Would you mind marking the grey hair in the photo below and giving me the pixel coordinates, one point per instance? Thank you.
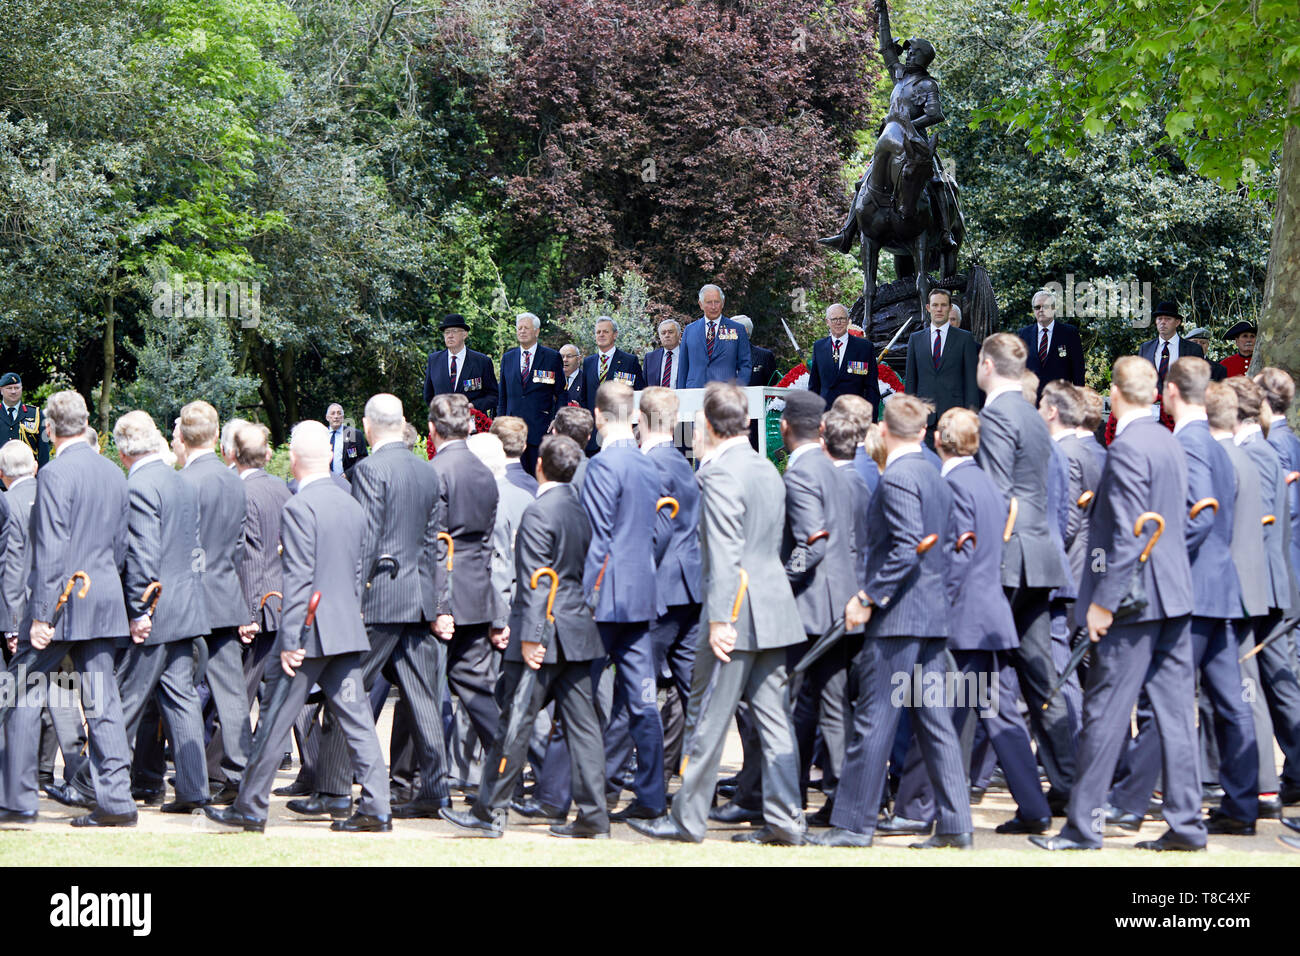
(228, 434)
(569, 345)
(488, 449)
(136, 435)
(310, 441)
(747, 322)
(16, 459)
(1047, 292)
(66, 414)
(673, 322)
(537, 323)
(836, 305)
(604, 318)
(384, 412)
(956, 311)
(706, 288)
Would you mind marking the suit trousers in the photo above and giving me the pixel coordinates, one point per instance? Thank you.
(876, 673)
(1254, 695)
(110, 755)
(717, 688)
(1157, 655)
(636, 699)
(822, 701)
(570, 685)
(255, 654)
(471, 676)
(418, 661)
(339, 676)
(1282, 691)
(229, 704)
(1037, 672)
(1214, 655)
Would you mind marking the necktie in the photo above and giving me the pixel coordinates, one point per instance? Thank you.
(13, 417)
(1042, 352)
(524, 361)
(835, 353)
(453, 371)
(333, 435)
(1164, 365)
(938, 348)
(712, 337)
(668, 370)
(604, 368)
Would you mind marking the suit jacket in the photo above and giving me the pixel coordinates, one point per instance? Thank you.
(1145, 471)
(29, 429)
(910, 502)
(536, 400)
(1097, 449)
(1064, 354)
(467, 510)
(1273, 499)
(1215, 590)
(1015, 451)
(1085, 475)
(677, 572)
(855, 375)
(1059, 505)
(619, 495)
(731, 361)
(17, 566)
(322, 530)
(953, 384)
(623, 367)
(866, 467)
(1287, 446)
(1249, 556)
(821, 574)
(163, 545)
(553, 533)
(221, 531)
(521, 479)
(79, 523)
(764, 366)
(742, 503)
(1186, 347)
(260, 569)
(981, 616)
(476, 379)
(573, 394)
(354, 447)
(512, 502)
(859, 501)
(398, 493)
(654, 369)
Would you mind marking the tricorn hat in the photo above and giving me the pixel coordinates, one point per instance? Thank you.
(453, 321)
(1241, 328)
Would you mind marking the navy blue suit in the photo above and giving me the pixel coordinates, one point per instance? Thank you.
(1064, 354)
(623, 367)
(573, 394)
(731, 360)
(654, 369)
(476, 379)
(536, 400)
(855, 375)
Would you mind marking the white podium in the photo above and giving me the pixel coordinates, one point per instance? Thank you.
(691, 400)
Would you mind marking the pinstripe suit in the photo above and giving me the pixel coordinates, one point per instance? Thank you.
(222, 508)
(259, 567)
(79, 522)
(908, 625)
(322, 529)
(396, 490)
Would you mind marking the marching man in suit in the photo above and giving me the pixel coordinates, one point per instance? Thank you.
(714, 348)
(750, 625)
(532, 384)
(23, 422)
(663, 366)
(1138, 615)
(460, 369)
(1055, 350)
(608, 364)
(843, 364)
(556, 638)
(941, 362)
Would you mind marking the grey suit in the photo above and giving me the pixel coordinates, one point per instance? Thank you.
(1085, 474)
(259, 567)
(79, 522)
(322, 530)
(743, 517)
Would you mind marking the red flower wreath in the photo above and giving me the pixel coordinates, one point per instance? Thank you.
(889, 382)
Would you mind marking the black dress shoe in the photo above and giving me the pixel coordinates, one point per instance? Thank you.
(225, 796)
(1219, 822)
(1018, 824)
(661, 828)
(997, 780)
(541, 812)
(97, 819)
(956, 841)
(822, 818)
(418, 810)
(977, 795)
(1115, 817)
(466, 820)
(17, 816)
(1270, 807)
(295, 789)
(1290, 794)
(363, 823)
(896, 826)
(578, 831)
(727, 787)
(1211, 793)
(230, 817)
(1059, 842)
(148, 796)
(400, 794)
(70, 796)
(1170, 841)
(1288, 840)
(766, 836)
(838, 836)
(319, 805)
(183, 806)
(1058, 804)
(635, 811)
(732, 812)
(286, 762)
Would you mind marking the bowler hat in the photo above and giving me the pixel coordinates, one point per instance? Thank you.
(1167, 308)
(453, 321)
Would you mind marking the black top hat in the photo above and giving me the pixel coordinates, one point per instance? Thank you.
(453, 321)
(1167, 308)
(1241, 328)
(10, 378)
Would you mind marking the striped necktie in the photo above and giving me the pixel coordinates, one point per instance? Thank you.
(668, 369)
(712, 337)
(1042, 352)
(604, 368)
(524, 363)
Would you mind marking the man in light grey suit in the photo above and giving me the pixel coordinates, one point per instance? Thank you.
(744, 653)
(322, 531)
(79, 523)
(221, 527)
(163, 530)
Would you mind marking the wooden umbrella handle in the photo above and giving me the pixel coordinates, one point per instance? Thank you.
(928, 542)
(667, 501)
(555, 583)
(963, 538)
(1086, 499)
(451, 547)
(740, 595)
(1012, 510)
(1140, 524)
(1211, 503)
(155, 589)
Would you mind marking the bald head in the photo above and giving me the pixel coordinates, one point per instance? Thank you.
(309, 450)
(383, 419)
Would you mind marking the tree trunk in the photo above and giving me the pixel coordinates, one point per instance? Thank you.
(110, 350)
(1279, 320)
(289, 383)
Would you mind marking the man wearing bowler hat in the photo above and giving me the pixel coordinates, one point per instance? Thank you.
(1168, 346)
(1242, 335)
(460, 369)
(20, 421)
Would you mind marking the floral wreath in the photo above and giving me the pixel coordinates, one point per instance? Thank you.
(797, 377)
